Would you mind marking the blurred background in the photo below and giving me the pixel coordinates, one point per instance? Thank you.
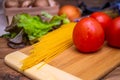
(114, 75)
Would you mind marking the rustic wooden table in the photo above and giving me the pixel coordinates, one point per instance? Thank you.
(6, 73)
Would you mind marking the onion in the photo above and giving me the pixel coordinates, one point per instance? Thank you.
(12, 3)
(41, 3)
(72, 12)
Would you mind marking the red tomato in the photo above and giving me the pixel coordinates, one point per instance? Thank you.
(113, 33)
(88, 35)
(102, 18)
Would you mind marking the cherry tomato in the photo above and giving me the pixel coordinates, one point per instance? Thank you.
(102, 18)
(113, 33)
(88, 35)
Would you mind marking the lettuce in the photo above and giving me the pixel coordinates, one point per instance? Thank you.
(32, 27)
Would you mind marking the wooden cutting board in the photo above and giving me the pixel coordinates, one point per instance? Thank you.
(70, 65)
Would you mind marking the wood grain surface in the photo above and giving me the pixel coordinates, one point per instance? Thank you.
(46, 72)
(87, 66)
(7, 73)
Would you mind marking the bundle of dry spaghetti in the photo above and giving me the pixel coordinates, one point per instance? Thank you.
(50, 45)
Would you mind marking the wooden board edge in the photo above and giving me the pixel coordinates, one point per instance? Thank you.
(47, 72)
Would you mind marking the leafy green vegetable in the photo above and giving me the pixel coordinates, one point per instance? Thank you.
(12, 35)
(33, 26)
(46, 14)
